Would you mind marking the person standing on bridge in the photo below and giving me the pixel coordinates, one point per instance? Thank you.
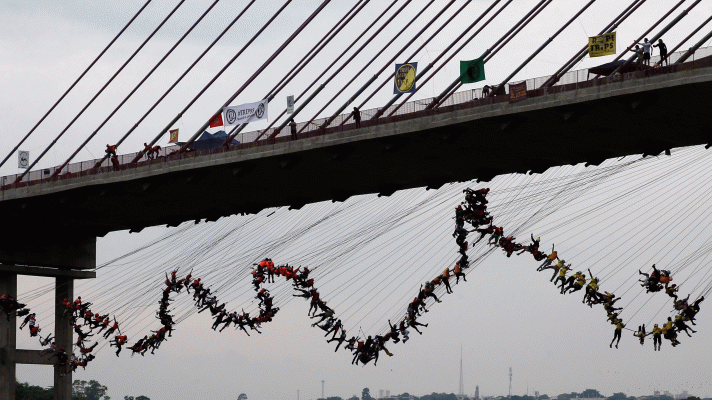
(663, 53)
(357, 117)
(647, 47)
(111, 150)
(293, 129)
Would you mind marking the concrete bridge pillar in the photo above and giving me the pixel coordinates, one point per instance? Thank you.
(63, 331)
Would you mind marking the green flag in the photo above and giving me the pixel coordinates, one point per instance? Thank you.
(472, 71)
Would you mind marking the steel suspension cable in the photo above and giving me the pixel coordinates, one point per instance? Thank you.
(373, 59)
(410, 58)
(353, 43)
(662, 32)
(339, 70)
(258, 72)
(450, 46)
(200, 57)
(75, 82)
(582, 53)
(457, 83)
(158, 64)
(224, 68)
(501, 42)
(19, 178)
(345, 20)
(667, 14)
(683, 41)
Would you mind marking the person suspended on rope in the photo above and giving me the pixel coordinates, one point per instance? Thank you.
(414, 324)
(657, 333)
(314, 304)
(681, 304)
(494, 239)
(262, 295)
(691, 310)
(138, 347)
(219, 319)
(672, 291)
(360, 347)
(394, 332)
(680, 325)
(463, 248)
(532, 247)
(111, 330)
(653, 280)
(445, 277)
(87, 350)
(484, 232)
(49, 350)
(339, 340)
(461, 236)
(665, 277)
(30, 319)
(351, 343)
(329, 313)
(428, 291)
(618, 332)
(556, 267)
(591, 294)
(46, 341)
(334, 328)
(34, 331)
(549, 259)
(669, 332)
(83, 336)
(458, 273)
(562, 270)
(640, 334)
(572, 283)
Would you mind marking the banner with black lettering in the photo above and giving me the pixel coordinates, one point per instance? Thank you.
(602, 45)
(245, 113)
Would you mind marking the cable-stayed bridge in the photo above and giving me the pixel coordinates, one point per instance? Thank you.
(456, 136)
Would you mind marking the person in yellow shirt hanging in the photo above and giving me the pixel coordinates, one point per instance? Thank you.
(563, 269)
(556, 269)
(618, 332)
(669, 332)
(640, 334)
(657, 337)
(577, 283)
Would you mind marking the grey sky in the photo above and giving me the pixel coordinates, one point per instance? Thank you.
(507, 315)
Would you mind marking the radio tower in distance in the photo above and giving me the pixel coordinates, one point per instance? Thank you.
(510, 381)
(461, 392)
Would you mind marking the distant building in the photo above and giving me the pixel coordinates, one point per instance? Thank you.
(380, 394)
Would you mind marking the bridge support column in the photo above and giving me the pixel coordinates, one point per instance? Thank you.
(8, 332)
(63, 332)
(64, 289)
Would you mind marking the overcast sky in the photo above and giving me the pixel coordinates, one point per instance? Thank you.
(507, 315)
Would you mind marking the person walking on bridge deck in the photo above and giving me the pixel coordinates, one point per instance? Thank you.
(356, 114)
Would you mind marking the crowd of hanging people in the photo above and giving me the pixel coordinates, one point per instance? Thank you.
(472, 211)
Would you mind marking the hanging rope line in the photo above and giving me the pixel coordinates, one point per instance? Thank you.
(375, 228)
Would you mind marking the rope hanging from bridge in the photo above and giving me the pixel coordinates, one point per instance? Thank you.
(476, 213)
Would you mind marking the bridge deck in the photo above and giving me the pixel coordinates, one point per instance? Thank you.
(595, 120)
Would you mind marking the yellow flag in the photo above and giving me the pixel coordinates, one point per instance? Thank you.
(602, 45)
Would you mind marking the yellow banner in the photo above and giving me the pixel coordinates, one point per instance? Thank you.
(602, 45)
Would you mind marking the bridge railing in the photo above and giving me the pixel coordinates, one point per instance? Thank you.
(572, 80)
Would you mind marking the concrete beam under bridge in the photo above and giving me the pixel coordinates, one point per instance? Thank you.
(633, 116)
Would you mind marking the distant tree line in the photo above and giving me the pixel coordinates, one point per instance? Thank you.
(81, 390)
